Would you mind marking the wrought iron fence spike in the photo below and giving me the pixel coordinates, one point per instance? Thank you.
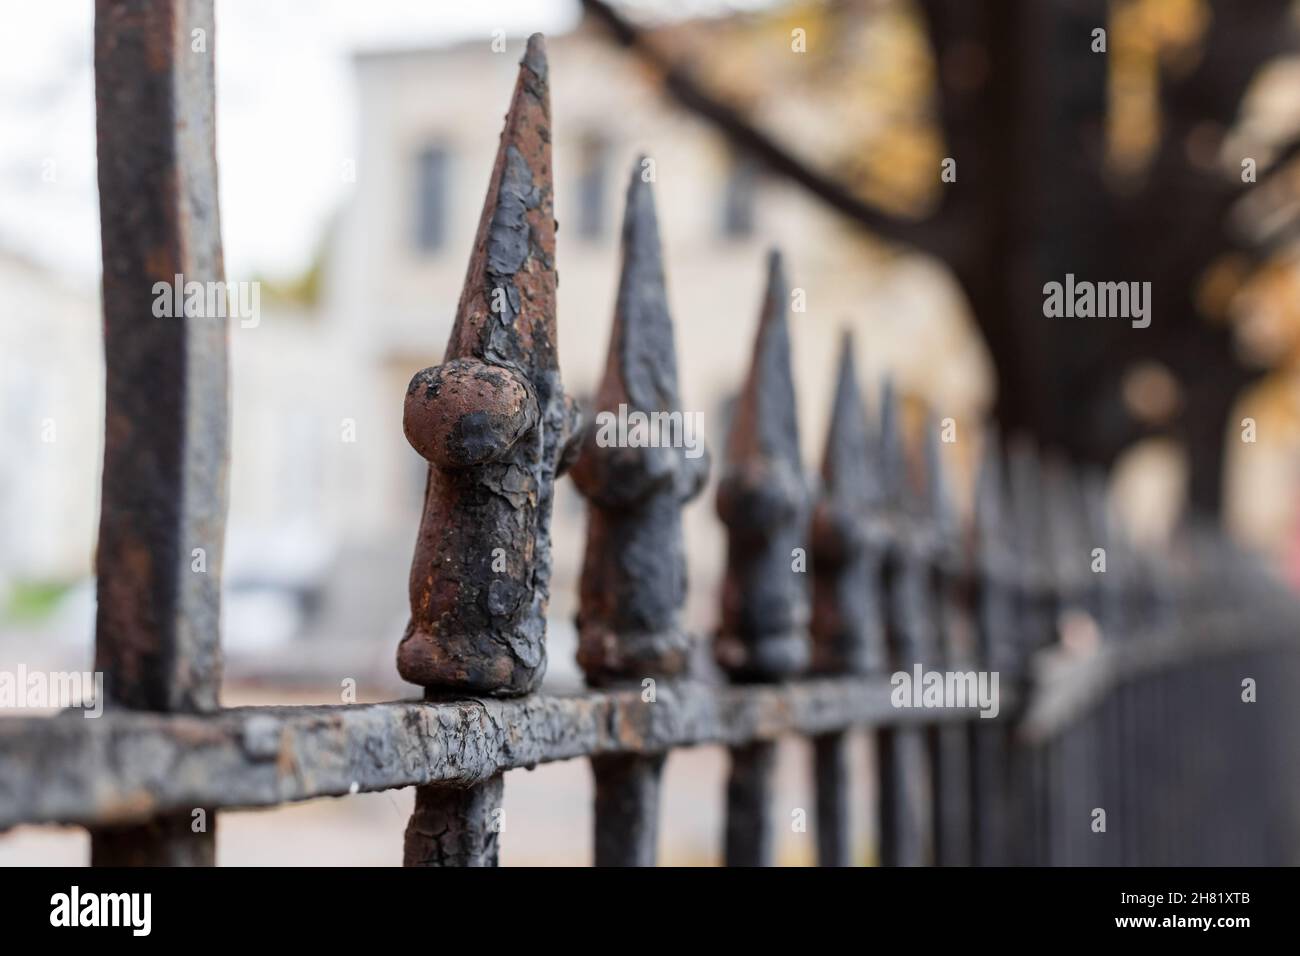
(941, 510)
(764, 500)
(496, 429)
(846, 460)
(637, 478)
(847, 626)
(891, 454)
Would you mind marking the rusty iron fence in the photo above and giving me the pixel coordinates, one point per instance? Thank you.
(1147, 704)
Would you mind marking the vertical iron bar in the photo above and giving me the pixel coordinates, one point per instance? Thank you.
(455, 826)
(634, 573)
(954, 650)
(903, 759)
(847, 630)
(764, 500)
(998, 651)
(496, 428)
(627, 808)
(834, 835)
(163, 504)
(751, 833)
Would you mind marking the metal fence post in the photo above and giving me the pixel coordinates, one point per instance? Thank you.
(634, 574)
(847, 629)
(949, 741)
(763, 499)
(496, 429)
(163, 508)
(902, 758)
(992, 741)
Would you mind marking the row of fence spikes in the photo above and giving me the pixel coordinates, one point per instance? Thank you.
(497, 431)
(1036, 532)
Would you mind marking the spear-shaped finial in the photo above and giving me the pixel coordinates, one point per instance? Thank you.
(890, 451)
(938, 498)
(997, 582)
(641, 462)
(1107, 590)
(1068, 547)
(990, 514)
(846, 471)
(847, 626)
(913, 626)
(763, 499)
(1027, 512)
(495, 427)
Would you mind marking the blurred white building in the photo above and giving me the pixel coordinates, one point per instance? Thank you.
(51, 420)
(325, 493)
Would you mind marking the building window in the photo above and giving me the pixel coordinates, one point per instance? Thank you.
(593, 174)
(431, 174)
(738, 198)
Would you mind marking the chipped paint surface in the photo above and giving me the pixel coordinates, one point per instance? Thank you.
(125, 766)
(496, 428)
(764, 500)
(166, 431)
(634, 573)
(848, 607)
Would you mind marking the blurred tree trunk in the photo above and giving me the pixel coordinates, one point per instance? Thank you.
(1022, 104)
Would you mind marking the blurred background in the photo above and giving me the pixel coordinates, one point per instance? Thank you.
(354, 146)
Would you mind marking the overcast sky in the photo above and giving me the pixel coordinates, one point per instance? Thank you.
(284, 83)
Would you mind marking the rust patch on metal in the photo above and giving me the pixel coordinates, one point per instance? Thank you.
(764, 500)
(495, 426)
(634, 574)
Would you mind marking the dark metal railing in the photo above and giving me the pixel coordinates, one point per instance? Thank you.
(1124, 731)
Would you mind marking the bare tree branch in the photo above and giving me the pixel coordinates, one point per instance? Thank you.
(745, 136)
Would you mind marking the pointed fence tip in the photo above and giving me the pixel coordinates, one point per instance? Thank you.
(935, 475)
(988, 479)
(846, 458)
(776, 284)
(535, 55)
(846, 348)
(642, 349)
(640, 196)
(893, 464)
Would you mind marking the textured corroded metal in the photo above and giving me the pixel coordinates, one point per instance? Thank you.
(949, 746)
(912, 632)
(495, 427)
(1068, 546)
(998, 646)
(634, 574)
(130, 766)
(627, 808)
(997, 651)
(847, 625)
(1026, 512)
(833, 783)
(764, 500)
(163, 505)
(750, 838)
(950, 560)
(902, 755)
(455, 827)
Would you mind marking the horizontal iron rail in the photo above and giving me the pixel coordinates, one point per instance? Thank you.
(1066, 685)
(126, 766)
